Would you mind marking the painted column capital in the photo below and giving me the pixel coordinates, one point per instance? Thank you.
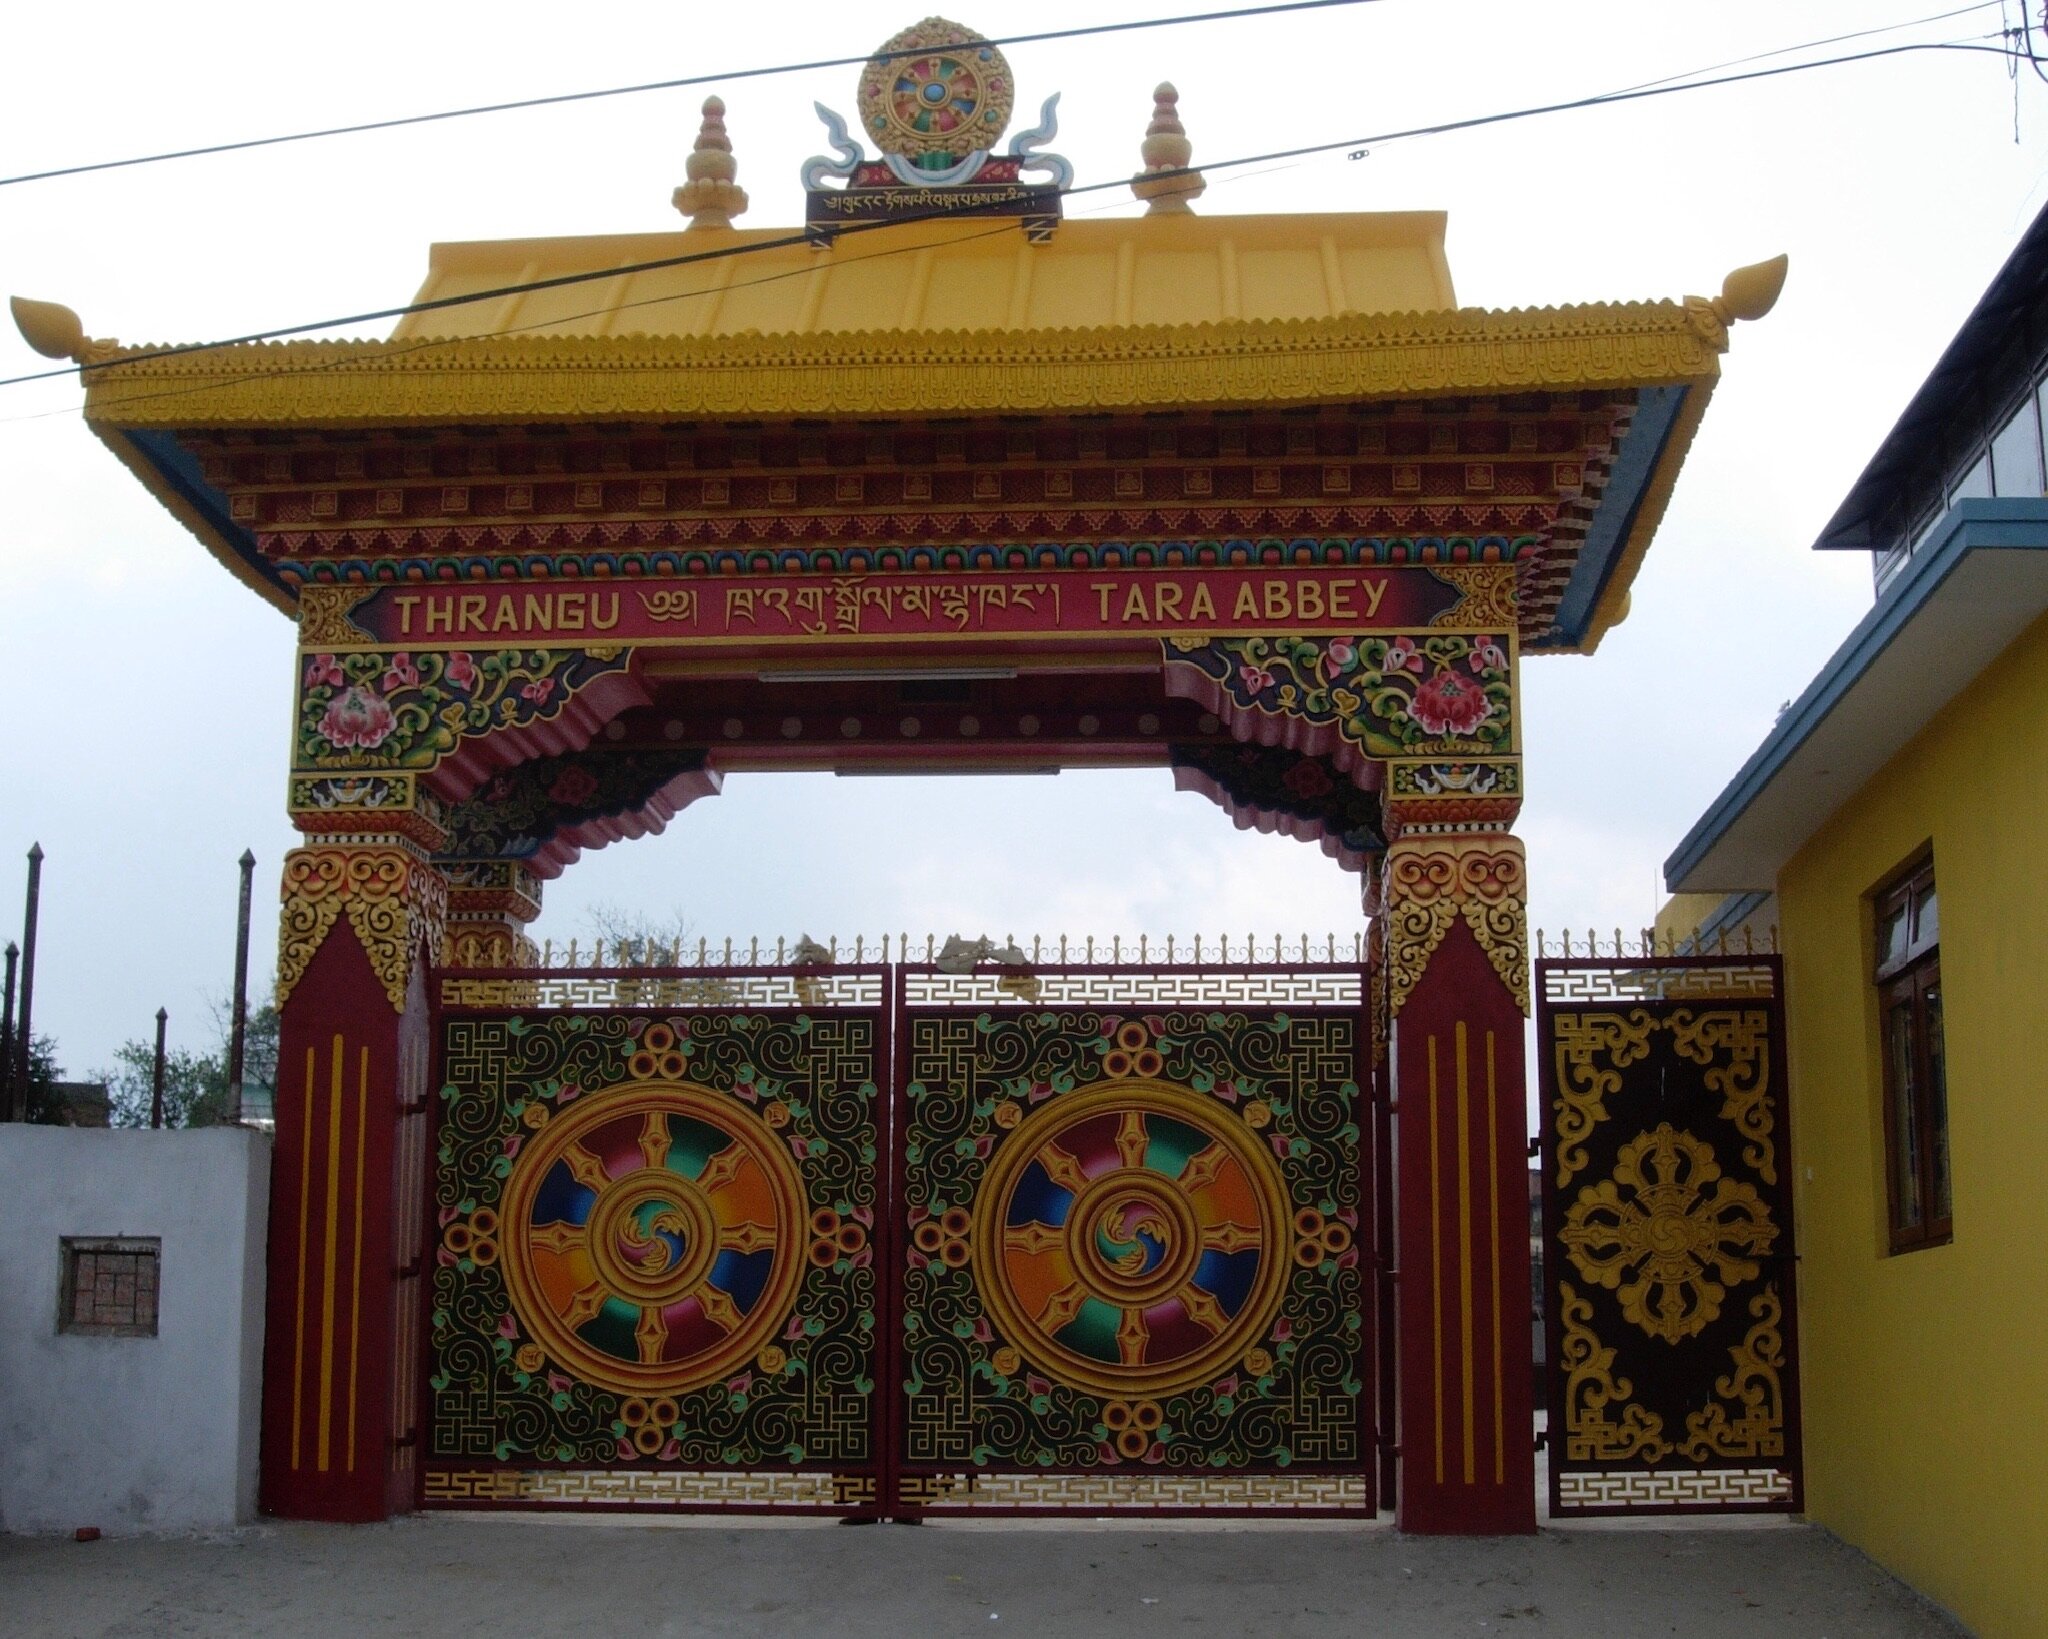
(393, 895)
(490, 903)
(1451, 795)
(1431, 881)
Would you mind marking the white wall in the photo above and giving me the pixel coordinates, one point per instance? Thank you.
(133, 1433)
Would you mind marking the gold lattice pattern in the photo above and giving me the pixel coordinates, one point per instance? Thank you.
(673, 1488)
(1094, 1493)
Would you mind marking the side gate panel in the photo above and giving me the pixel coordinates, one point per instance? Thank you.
(1667, 1229)
(654, 1278)
(1135, 1242)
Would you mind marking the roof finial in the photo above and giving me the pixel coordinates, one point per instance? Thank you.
(1166, 184)
(56, 332)
(711, 198)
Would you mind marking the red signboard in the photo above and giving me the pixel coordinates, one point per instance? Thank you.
(801, 609)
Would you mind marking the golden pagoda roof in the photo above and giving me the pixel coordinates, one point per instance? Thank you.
(932, 318)
(939, 277)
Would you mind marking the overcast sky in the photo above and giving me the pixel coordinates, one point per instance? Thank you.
(145, 695)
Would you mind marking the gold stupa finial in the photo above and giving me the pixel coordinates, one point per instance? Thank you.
(1166, 184)
(1751, 292)
(711, 198)
(56, 332)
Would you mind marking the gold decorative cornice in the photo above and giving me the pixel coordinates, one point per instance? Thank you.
(521, 378)
(324, 612)
(1489, 595)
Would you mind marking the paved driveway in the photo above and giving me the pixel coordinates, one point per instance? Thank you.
(446, 1575)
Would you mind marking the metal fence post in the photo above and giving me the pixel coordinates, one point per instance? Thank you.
(238, 1034)
(156, 1096)
(7, 1033)
(24, 1050)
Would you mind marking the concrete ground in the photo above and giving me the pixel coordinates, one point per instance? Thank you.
(446, 1575)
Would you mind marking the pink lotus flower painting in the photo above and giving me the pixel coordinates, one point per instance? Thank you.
(357, 719)
(1447, 704)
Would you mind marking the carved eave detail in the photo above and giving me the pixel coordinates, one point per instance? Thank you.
(1466, 350)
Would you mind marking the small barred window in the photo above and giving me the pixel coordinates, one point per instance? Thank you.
(109, 1286)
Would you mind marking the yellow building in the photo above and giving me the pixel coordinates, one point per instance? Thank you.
(1894, 813)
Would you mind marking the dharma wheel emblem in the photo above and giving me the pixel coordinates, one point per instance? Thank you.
(653, 1238)
(1671, 1248)
(1132, 1239)
(949, 97)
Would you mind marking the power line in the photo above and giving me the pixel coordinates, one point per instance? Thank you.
(1039, 37)
(1830, 40)
(1355, 145)
(395, 350)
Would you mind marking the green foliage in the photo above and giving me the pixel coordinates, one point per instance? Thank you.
(43, 1073)
(195, 1084)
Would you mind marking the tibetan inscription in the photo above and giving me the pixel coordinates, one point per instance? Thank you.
(1092, 604)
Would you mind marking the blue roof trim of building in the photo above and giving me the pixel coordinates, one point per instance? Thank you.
(1971, 526)
(1614, 520)
(181, 471)
(1996, 350)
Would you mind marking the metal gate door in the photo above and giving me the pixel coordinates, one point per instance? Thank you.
(1667, 1219)
(655, 1279)
(1131, 1205)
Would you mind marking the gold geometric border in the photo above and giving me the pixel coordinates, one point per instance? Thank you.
(1717, 1488)
(682, 991)
(671, 1488)
(1092, 1493)
(1639, 982)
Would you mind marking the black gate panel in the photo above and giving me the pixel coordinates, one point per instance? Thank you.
(1667, 1218)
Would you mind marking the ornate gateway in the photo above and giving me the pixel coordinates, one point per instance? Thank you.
(1667, 1218)
(948, 479)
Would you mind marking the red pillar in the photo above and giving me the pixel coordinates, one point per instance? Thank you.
(341, 1344)
(1457, 963)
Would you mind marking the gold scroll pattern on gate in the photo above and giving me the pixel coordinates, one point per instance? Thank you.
(1594, 1048)
(1669, 1231)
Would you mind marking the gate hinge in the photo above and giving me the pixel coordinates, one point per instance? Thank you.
(1535, 1147)
(1542, 1439)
